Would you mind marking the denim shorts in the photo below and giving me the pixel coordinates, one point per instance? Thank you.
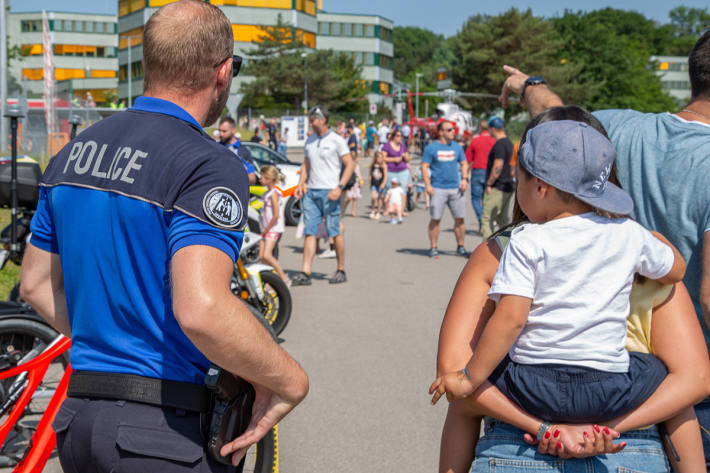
(316, 207)
(502, 450)
(562, 393)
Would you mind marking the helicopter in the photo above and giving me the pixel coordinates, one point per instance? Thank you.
(464, 122)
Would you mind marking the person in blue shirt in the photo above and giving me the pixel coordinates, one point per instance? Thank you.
(443, 164)
(132, 250)
(663, 162)
(229, 138)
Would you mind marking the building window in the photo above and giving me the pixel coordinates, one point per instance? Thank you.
(324, 28)
(79, 26)
(347, 29)
(31, 50)
(358, 29)
(336, 29)
(369, 31)
(89, 26)
(68, 25)
(31, 26)
(369, 59)
(385, 34)
(358, 56)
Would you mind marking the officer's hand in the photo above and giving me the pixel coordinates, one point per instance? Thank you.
(268, 410)
(335, 194)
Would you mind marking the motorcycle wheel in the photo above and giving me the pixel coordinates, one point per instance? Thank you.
(292, 211)
(276, 306)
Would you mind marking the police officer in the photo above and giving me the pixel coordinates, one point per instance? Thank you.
(134, 242)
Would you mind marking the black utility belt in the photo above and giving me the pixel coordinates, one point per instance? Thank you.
(135, 388)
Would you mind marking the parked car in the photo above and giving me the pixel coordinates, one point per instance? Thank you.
(263, 155)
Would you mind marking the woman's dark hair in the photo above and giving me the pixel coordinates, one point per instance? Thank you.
(567, 112)
(699, 67)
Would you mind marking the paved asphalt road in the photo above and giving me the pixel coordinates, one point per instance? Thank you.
(369, 347)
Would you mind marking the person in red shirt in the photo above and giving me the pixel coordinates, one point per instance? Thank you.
(477, 157)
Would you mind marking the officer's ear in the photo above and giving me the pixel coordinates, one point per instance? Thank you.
(224, 73)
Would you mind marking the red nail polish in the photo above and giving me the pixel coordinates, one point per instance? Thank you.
(596, 427)
(557, 433)
(606, 430)
(559, 445)
(585, 434)
(547, 435)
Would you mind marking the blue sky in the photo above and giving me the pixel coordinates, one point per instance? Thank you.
(446, 18)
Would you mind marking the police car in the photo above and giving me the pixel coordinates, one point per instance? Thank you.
(263, 155)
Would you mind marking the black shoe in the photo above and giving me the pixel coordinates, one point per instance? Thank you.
(461, 251)
(338, 277)
(433, 253)
(301, 279)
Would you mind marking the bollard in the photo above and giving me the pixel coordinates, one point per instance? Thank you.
(13, 112)
(76, 121)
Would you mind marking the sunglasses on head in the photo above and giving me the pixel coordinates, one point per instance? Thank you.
(236, 64)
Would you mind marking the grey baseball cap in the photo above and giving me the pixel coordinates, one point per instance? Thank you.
(577, 159)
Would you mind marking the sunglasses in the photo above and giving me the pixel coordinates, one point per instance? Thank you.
(447, 129)
(316, 112)
(236, 64)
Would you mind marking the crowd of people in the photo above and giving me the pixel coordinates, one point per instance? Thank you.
(574, 328)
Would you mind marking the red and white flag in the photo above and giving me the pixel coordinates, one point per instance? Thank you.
(48, 73)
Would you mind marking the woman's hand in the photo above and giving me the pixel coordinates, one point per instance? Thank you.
(455, 385)
(577, 441)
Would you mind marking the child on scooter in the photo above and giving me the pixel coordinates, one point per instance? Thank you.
(272, 219)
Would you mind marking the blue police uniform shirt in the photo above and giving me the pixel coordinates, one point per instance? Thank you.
(234, 148)
(116, 204)
(445, 161)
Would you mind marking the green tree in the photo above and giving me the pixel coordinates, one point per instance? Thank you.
(414, 48)
(689, 21)
(485, 43)
(611, 51)
(281, 64)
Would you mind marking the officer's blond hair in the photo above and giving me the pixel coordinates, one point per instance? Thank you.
(182, 42)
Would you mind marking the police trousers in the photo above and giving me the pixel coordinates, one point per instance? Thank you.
(122, 437)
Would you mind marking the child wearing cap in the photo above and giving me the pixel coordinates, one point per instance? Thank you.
(555, 344)
(394, 201)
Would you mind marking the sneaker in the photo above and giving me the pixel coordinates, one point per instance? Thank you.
(461, 251)
(393, 221)
(372, 215)
(327, 254)
(399, 220)
(338, 277)
(433, 253)
(301, 279)
(377, 216)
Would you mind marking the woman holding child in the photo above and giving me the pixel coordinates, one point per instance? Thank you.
(563, 368)
(397, 159)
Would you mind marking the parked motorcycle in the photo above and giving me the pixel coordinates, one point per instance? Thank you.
(259, 285)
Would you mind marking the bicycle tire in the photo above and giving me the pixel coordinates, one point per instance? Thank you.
(22, 334)
(277, 301)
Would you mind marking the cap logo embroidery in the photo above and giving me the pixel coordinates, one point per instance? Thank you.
(222, 207)
(600, 183)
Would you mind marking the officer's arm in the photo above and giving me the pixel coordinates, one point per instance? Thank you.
(42, 286)
(222, 327)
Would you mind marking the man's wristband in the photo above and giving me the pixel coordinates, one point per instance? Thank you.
(340, 186)
(466, 373)
(465, 179)
(544, 427)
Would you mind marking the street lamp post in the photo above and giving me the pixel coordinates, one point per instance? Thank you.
(417, 110)
(305, 84)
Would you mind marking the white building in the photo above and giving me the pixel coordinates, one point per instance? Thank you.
(84, 48)
(368, 39)
(673, 71)
(246, 16)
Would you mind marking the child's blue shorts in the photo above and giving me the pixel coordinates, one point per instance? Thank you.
(564, 393)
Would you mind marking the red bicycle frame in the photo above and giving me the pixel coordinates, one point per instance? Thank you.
(43, 440)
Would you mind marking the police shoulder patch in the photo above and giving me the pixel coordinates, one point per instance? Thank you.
(222, 207)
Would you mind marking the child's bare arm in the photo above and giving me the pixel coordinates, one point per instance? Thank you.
(678, 270)
(498, 336)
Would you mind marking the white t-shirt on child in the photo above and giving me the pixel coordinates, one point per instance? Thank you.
(578, 272)
(395, 195)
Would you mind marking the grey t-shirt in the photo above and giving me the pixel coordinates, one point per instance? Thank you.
(663, 162)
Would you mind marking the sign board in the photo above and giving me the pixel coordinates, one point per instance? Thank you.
(295, 130)
(373, 108)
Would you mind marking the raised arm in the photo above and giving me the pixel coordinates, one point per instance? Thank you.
(537, 98)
